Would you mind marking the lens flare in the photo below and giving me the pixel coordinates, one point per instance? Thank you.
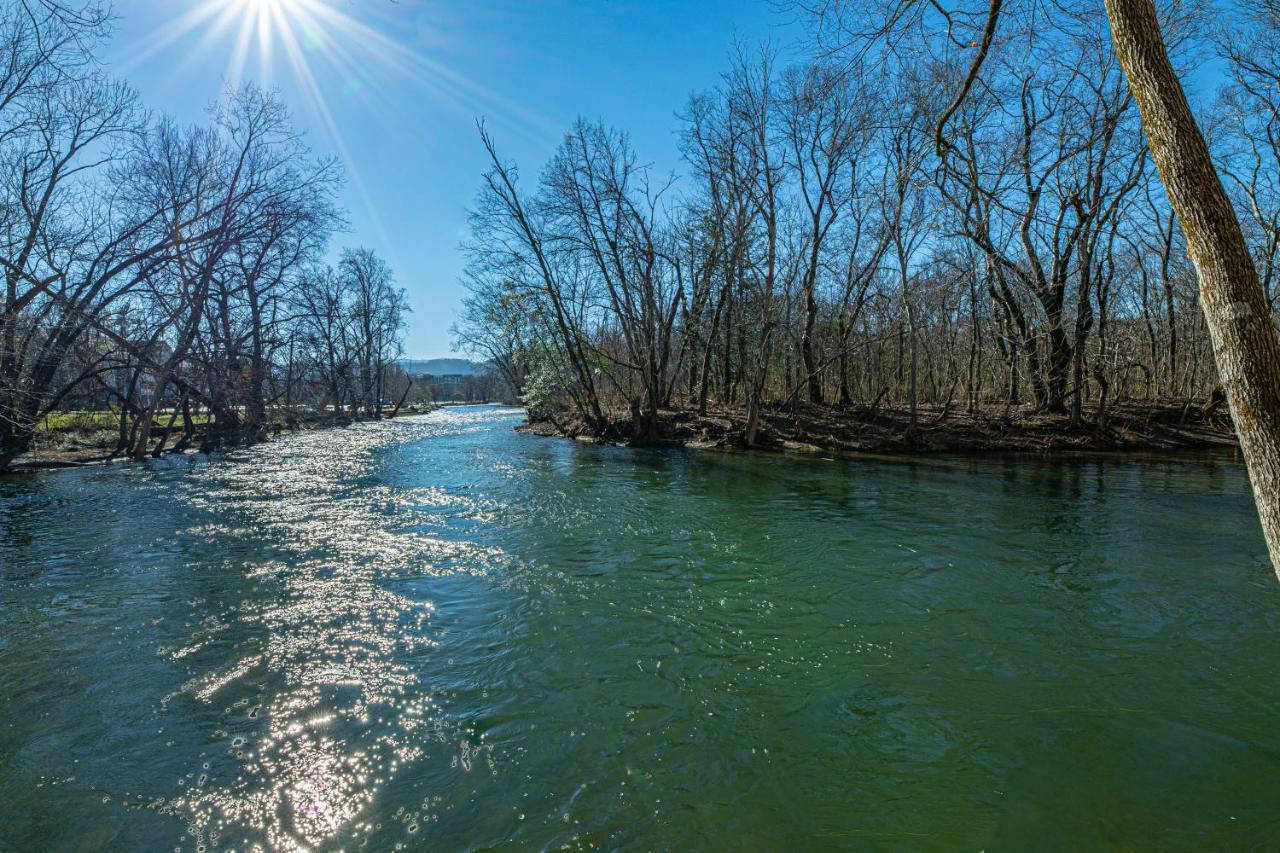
(330, 57)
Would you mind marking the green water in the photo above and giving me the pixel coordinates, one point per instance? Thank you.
(439, 634)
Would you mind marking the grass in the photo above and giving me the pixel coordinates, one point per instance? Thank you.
(56, 422)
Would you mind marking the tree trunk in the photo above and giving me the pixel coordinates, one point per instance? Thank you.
(708, 351)
(1246, 346)
(13, 443)
(813, 376)
(408, 386)
(188, 426)
(843, 329)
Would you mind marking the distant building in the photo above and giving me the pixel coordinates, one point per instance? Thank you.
(446, 383)
(459, 387)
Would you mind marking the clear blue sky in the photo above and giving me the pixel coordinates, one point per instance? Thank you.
(402, 82)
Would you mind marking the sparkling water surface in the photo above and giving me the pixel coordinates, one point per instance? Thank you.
(437, 633)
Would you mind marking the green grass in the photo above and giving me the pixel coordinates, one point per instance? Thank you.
(56, 422)
(59, 421)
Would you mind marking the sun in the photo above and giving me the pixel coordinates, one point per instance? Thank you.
(270, 15)
(279, 34)
(329, 50)
(284, 23)
(327, 54)
(272, 25)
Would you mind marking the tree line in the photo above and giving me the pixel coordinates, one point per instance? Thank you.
(170, 272)
(820, 247)
(1010, 203)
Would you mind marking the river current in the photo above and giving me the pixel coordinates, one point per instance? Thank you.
(438, 633)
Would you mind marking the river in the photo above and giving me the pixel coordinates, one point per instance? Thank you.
(438, 633)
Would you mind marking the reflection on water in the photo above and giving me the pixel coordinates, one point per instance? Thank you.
(438, 633)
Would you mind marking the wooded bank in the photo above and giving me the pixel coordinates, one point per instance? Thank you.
(150, 266)
(1165, 427)
(86, 443)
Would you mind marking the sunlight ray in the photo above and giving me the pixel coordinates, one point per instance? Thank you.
(217, 32)
(311, 87)
(324, 35)
(313, 41)
(145, 49)
(240, 53)
(427, 73)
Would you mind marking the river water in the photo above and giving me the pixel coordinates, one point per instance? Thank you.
(436, 633)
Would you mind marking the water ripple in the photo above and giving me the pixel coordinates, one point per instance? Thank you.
(437, 633)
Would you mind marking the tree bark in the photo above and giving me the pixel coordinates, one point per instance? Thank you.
(1245, 343)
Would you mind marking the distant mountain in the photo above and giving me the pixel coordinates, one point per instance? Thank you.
(441, 366)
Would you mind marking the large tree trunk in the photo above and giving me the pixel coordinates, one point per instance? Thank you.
(1245, 343)
(13, 443)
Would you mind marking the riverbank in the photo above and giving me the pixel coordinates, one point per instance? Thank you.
(85, 442)
(1138, 426)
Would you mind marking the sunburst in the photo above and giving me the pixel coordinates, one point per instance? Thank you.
(309, 41)
(298, 38)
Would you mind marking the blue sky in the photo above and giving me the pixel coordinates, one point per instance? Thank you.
(398, 84)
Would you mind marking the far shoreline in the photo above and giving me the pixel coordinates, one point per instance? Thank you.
(1155, 430)
(54, 459)
(1149, 431)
